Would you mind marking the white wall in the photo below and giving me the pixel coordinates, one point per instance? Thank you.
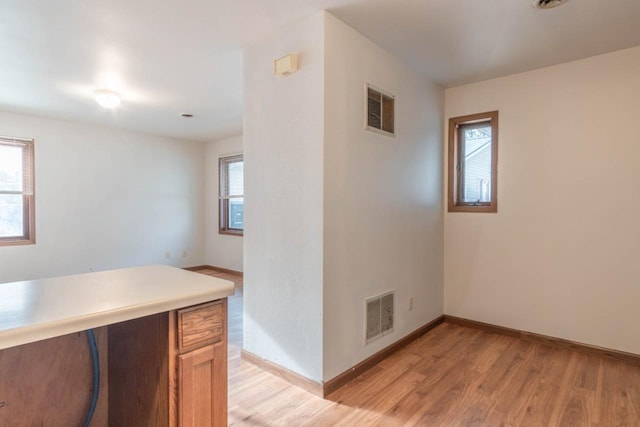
(283, 150)
(107, 199)
(383, 227)
(334, 213)
(223, 250)
(561, 255)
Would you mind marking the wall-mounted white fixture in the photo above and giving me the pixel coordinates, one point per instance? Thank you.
(107, 98)
(286, 65)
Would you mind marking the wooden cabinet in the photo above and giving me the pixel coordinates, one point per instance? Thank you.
(201, 381)
(161, 364)
(48, 383)
(202, 365)
(170, 369)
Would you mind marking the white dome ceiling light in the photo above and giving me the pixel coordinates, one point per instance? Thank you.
(547, 4)
(107, 98)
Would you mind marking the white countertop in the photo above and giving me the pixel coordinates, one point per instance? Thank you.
(34, 310)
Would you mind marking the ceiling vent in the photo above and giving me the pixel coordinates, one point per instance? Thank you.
(547, 4)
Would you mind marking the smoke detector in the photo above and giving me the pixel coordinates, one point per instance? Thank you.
(547, 4)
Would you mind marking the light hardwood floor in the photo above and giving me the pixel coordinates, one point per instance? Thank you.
(452, 376)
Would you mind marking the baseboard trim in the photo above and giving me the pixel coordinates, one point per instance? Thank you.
(195, 268)
(284, 373)
(211, 267)
(357, 370)
(630, 358)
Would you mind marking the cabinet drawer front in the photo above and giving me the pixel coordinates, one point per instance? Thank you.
(200, 325)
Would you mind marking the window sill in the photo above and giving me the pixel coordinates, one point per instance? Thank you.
(17, 242)
(232, 232)
(474, 209)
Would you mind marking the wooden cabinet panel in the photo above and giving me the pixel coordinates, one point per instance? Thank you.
(49, 383)
(202, 388)
(155, 383)
(200, 325)
(139, 372)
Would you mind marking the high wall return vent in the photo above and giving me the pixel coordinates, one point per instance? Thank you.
(547, 4)
(379, 115)
(378, 316)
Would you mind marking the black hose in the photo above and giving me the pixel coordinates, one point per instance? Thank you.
(96, 376)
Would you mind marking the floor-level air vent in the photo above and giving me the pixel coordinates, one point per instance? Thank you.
(378, 316)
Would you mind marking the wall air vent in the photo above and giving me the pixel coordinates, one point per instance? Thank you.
(379, 111)
(547, 4)
(378, 316)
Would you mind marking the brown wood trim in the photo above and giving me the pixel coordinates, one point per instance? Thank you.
(172, 352)
(471, 208)
(350, 374)
(218, 269)
(223, 193)
(487, 327)
(28, 201)
(623, 356)
(196, 268)
(284, 373)
(452, 154)
(223, 220)
(16, 242)
(231, 232)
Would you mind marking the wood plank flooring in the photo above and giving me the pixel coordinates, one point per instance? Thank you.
(452, 376)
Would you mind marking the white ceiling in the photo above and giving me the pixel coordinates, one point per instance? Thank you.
(461, 41)
(167, 57)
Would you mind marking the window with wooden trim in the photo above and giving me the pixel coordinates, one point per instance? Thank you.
(473, 163)
(17, 198)
(380, 111)
(231, 196)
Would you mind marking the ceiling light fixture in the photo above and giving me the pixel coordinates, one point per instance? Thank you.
(107, 98)
(547, 4)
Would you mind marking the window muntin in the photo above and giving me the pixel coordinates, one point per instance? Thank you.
(473, 155)
(17, 200)
(231, 195)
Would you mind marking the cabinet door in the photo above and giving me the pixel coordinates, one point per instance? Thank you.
(202, 387)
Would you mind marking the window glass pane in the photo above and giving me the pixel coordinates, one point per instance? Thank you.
(10, 168)
(476, 163)
(11, 215)
(236, 178)
(236, 213)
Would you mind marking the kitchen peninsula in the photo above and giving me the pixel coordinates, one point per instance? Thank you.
(161, 335)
